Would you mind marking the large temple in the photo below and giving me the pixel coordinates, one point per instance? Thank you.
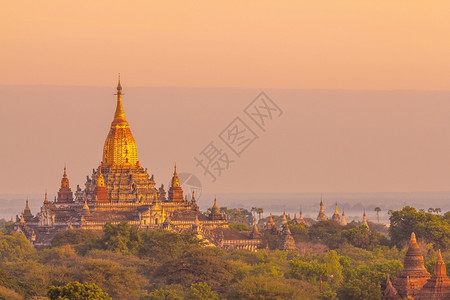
(120, 189)
(414, 281)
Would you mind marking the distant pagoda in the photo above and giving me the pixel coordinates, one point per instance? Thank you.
(336, 216)
(413, 276)
(321, 216)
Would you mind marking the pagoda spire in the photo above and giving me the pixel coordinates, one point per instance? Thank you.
(271, 220)
(175, 178)
(365, 221)
(100, 182)
(321, 216)
(336, 216)
(440, 268)
(86, 209)
(46, 197)
(65, 179)
(343, 220)
(215, 211)
(255, 226)
(284, 218)
(119, 115)
(255, 231)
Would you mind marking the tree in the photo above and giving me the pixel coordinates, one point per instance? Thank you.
(163, 245)
(15, 247)
(377, 209)
(327, 232)
(121, 238)
(198, 265)
(162, 294)
(262, 287)
(74, 237)
(120, 282)
(75, 290)
(259, 211)
(360, 288)
(201, 291)
(427, 226)
(253, 210)
(9, 294)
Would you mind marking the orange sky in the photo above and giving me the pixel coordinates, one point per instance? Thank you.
(359, 44)
(365, 141)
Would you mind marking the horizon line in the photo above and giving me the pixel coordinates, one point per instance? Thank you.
(234, 88)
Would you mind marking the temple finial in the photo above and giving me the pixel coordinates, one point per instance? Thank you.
(119, 115)
(119, 86)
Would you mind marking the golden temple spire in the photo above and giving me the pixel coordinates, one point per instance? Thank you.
(215, 204)
(86, 209)
(215, 211)
(46, 197)
(175, 179)
(22, 220)
(440, 269)
(65, 179)
(365, 220)
(343, 220)
(119, 115)
(120, 147)
(271, 219)
(100, 179)
(413, 239)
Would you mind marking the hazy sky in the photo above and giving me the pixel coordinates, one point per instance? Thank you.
(329, 141)
(326, 140)
(346, 44)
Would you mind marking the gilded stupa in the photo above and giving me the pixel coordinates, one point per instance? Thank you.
(120, 148)
(124, 178)
(336, 217)
(321, 216)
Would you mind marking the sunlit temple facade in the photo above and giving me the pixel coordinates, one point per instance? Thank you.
(120, 189)
(414, 281)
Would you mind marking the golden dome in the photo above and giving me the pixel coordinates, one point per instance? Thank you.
(120, 148)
